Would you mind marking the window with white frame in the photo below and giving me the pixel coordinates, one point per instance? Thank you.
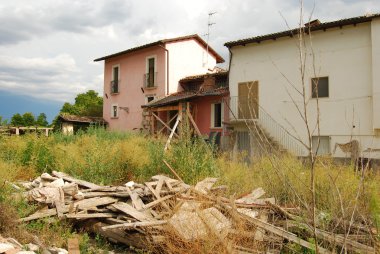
(216, 115)
(115, 79)
(320, 87)
(321, 145)
(114, 111)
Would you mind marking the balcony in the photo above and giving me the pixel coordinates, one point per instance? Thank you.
(115, 86)
(150, 80)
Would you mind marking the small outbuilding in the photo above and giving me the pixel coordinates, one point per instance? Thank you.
(71, 124)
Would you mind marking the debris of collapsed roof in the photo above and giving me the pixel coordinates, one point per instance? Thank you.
(151, 214)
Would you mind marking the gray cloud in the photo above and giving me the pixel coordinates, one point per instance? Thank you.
(41, 18)
(40, 77)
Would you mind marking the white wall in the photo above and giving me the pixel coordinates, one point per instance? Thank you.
(187, 58)
(375, 35)
(344, 55)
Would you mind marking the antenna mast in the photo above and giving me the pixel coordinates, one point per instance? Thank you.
(209, 24)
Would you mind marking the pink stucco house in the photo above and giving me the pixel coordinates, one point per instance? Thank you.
(139, 75)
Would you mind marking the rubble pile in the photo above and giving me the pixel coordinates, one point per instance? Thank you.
(152, 214)
(12, 246)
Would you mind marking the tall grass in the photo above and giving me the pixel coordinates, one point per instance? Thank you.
(340, 191)
(105, 157)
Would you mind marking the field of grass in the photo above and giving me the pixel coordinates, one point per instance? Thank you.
(115, 158)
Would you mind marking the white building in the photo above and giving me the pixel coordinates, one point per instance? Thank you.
(346, 67)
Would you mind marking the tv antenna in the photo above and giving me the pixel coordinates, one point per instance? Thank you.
(209, 24)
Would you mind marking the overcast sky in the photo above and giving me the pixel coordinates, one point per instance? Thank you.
(47, 47)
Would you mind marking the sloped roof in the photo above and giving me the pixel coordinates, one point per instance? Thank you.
(220, 73)
(181, 96)
(314, 26)
(219, 59)
(82, 119)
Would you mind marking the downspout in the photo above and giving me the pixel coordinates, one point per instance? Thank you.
(167, 69)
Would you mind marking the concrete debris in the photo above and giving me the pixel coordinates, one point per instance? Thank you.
(148, 214)
(12, 246)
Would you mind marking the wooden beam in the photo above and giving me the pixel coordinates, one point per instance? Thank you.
(172, 170)
(136, 224)
(165, 108)
(174, 117)
(193, 123)
(167, 126)
(172, 133)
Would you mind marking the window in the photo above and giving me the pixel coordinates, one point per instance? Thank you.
(149, 98)
(320, 87)
(114, 111)
(150, 76)
(216, 115)
(115, 79)
(324, 145)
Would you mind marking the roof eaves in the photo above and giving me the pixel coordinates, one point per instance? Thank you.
(156, 43)
(292, 32)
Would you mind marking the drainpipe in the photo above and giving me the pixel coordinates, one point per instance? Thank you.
(167, 69)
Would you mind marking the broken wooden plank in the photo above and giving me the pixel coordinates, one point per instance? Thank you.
(205, 185)
(282, 232)
(159, 186)
(93, 202)
(82, 204)
(172, 170)
(250, 198)
(136, 224)
(74, 180)
(336, 238)
(105, 194)
(90, 215)
(156, 202)
(136, 201)
(127, 209)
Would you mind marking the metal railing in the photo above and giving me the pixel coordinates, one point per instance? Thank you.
(115, 86)
(248, 111)
(150, 80)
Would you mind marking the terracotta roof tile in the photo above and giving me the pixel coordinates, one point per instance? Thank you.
(202, 76)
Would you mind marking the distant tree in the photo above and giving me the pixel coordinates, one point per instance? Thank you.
(86, 104)
(69, 109)
(29, 119)
(17, 120)
(41, 120)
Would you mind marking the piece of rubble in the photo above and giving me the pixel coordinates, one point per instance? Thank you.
(32, 247)
(55, 250)
(4, 247)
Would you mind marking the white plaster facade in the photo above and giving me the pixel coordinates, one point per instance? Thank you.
(187, 58)
(348, 55)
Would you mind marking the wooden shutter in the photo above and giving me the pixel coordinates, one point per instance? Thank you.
(248, 100)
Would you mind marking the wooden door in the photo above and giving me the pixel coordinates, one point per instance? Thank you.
(248, 100)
